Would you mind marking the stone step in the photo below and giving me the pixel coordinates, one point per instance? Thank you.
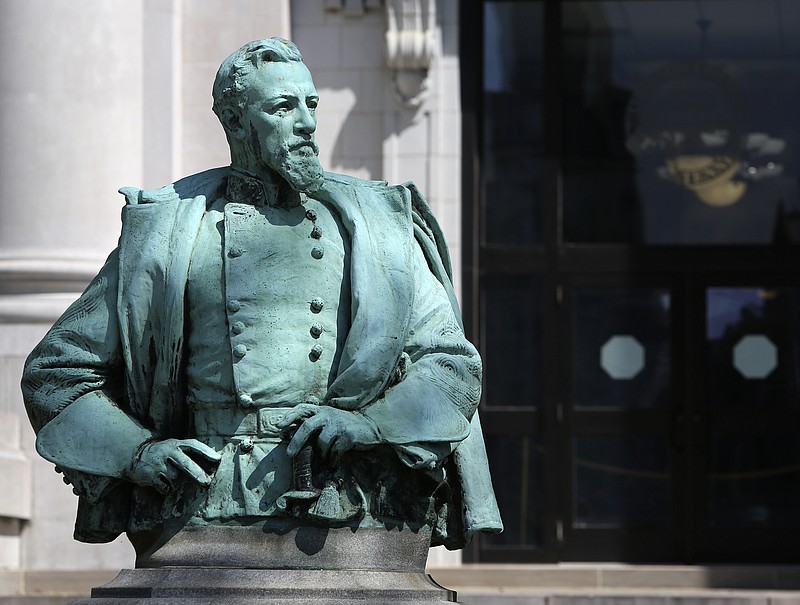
(36, 600)
(494, 596)
(556, 584)
(614, 576)
(619, 584)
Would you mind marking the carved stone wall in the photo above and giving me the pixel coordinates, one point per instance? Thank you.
(363, 128)
(99, 94)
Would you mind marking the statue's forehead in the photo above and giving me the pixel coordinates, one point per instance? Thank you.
(283, 78)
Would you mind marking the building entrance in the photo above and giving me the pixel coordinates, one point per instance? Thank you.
(631, 228)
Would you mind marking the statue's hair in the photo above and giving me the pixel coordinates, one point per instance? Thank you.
(229, 84)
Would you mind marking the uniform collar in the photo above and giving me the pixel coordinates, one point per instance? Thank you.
(246, 188)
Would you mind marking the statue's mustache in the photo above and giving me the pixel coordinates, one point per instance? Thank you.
(300, 145)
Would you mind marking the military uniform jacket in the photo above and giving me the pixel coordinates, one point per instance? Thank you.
(116, 355)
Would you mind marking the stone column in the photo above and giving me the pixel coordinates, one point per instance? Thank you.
(70, 135)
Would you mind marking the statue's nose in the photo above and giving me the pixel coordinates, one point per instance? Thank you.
(306, 121)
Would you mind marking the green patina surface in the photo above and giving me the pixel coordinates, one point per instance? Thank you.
(270, 343)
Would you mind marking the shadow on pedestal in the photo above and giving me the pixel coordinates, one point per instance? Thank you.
(259, 566)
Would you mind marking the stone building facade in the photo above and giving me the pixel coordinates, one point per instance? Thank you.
(99, 94)
(579, 247)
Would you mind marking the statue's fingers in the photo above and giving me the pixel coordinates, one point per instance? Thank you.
(193, 446)
(303, 434)
(339, 447)
(287, 419)
(327, 442)
(161, 483)
(191, 468)
(344, 442)
(171, 471)
(300, 411)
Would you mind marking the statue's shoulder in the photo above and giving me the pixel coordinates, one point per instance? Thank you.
(345, 180)
(372, 193)
(207, 183)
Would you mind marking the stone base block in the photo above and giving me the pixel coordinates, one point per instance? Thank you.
(263, 565)
(212, 586)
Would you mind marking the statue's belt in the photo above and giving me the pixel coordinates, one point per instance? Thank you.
(236, 422)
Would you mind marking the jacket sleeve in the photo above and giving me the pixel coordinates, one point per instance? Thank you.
(426, 410)
(73, 386)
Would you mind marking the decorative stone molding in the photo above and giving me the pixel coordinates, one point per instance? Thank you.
(38, 290)
(39, 275)
(411, 42)
(352, 8)
(410, 47)
(34, 308)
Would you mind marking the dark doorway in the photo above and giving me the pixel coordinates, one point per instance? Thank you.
(631, 227)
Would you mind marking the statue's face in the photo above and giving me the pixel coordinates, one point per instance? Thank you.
(279, 121)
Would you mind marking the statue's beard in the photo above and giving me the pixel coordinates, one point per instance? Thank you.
(300, 168)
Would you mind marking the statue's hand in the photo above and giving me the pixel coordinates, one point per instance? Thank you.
(162, 464)
(336, 430)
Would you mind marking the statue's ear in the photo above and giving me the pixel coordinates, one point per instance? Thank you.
(231, 124)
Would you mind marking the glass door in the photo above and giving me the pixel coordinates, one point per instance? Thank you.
(618, 434)
(749, 395)
(631, 230)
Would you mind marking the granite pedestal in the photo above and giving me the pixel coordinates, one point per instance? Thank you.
(299, 566)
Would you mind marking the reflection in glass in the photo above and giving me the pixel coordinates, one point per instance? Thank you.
(622, 481)
(512, 129)
(753, 347)
(518, 460)
(680, 121)
(621, 347)
(755, 482)
(512, 354)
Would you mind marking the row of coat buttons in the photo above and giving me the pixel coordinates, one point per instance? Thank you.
(318, 251)
(317, 304)
(315, 330)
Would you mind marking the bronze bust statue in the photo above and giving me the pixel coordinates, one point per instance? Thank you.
(270, 345)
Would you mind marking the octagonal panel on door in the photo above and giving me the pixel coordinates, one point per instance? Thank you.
(755, 356)
(622, 357)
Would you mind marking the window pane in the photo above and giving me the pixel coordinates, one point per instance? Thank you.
(512, 340)
(680, 121)
(622, 481)
(621, 347)
(752, 353)
(512, 128)
(515, 464)
(755, 482)
(753, 347)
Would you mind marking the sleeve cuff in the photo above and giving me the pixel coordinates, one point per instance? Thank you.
(92, 435)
